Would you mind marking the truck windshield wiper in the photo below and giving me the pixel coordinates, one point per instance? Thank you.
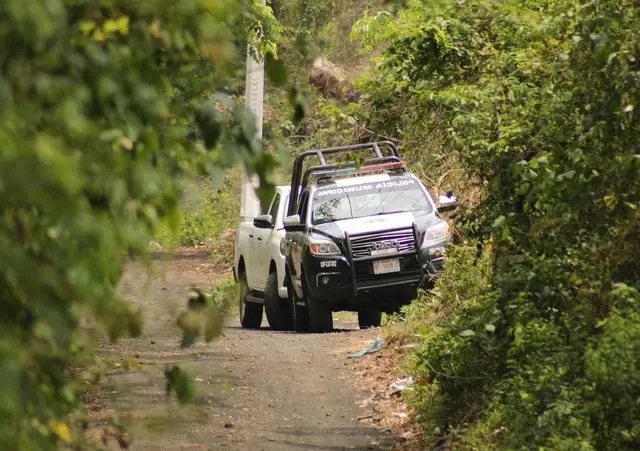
(389, 212)
(327, 221)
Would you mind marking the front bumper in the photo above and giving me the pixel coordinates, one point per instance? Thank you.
(432, 258)
(347, 278)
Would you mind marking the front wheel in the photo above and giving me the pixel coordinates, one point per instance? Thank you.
(369, 318)
(320, 315)
(299, 313)
(250, 312)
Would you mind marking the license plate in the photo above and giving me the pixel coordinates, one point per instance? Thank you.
(386, 266)
(392, 250)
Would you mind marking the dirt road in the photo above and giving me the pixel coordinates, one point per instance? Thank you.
(255, 390)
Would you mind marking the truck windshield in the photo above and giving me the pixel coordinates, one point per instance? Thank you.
(368, 199)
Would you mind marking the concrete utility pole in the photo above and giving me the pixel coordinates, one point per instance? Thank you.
(254, 100)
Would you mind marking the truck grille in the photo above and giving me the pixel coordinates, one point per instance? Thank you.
(362, 245)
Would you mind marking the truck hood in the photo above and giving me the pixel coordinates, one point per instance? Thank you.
(369, 224)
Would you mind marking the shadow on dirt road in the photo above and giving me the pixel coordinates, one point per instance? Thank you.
(255, 390)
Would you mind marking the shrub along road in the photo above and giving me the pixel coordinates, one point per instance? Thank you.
(258, 390)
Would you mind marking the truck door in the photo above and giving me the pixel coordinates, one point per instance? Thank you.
(264, 246)
(298, 240)
(254, 268)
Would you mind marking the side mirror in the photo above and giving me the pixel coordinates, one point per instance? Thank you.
(292, 223)
(263, 221)
(447, 203)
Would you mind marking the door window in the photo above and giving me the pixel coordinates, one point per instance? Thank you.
(303, 206)
(273, 211)
(264, 209)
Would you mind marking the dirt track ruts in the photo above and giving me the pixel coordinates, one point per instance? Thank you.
(255, 390)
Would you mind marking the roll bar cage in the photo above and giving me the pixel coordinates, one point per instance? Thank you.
(380, 161)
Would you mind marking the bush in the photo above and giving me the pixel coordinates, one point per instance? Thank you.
(537, 100)
(455, 334)
(206, 312)
(97, 99)
(208, 210)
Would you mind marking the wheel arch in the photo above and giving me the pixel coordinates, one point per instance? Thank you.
(303, 281)
(241, 267)
(287, 274)
(288, 280)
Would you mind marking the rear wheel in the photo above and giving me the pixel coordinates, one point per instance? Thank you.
(369, 318)
(250, 312)
(278, 310)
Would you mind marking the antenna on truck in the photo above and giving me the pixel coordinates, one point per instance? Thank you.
(380, 161)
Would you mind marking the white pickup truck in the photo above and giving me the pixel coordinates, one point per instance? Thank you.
(259, 266)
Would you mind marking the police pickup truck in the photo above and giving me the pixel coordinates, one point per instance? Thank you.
(358, 238)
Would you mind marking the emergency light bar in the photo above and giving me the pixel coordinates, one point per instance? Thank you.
(362, 170)
(333, 173)
(395, 164)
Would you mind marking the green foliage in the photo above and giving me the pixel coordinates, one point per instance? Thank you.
(537, 102)
(312, 29)
(206, 312)
(214, 215)
(204, 316)
(455, 349)
(96, 102)
(208, 210)
(302, 22)
(178, 381)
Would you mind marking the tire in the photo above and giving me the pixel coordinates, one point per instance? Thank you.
(278, 310)
(250, 312)
(369, 318)
(320, 315)
(299, 314)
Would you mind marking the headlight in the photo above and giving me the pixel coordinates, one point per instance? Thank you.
(282, 243)
(436, 233)
(324, 248)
